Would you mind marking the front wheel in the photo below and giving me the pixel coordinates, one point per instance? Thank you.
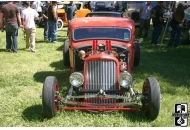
(151, 100)
(50, 93)
(60, 24)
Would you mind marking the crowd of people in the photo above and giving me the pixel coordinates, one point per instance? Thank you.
(147, 12)
(13, 19)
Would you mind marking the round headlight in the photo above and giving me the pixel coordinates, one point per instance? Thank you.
(125, 79)
(76, 79)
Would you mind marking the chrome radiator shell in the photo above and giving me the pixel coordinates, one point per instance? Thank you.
(101, 74)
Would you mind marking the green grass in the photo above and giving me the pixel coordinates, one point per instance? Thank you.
(22, 76)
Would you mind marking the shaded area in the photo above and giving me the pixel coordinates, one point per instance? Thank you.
(3, 50)
(61, 39)
(136, 116)
(33, 113)
(62, 35)
(62, 77)
(60, 48)
(42, 41)
(58, 65)
(170, 64)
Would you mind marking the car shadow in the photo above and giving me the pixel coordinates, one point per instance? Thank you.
(135, 116)
(61, 76)
(33, 113)
(165, 63)
(60, 48)
(61, 39)
(58, 65)
(41, 41)
(2, 50)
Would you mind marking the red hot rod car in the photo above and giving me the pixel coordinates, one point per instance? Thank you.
(101, 53)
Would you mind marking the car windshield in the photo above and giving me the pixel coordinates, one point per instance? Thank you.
(123, 34)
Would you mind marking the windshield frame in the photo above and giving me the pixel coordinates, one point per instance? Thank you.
(130, 37)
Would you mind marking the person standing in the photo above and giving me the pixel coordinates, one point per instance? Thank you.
(37, 5)
(116, 4)
(28, 16)
(52, 22)
(11, 14)
(45, 19)
(2, 27)
(88, 5)
(157, 20)
(175, 24)
(144, 13)
(71, 12)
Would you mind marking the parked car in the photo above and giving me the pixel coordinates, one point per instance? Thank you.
(104, 14)
(101, 56)
(62, 20)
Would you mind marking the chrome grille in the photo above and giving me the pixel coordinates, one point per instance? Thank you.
(101, 75)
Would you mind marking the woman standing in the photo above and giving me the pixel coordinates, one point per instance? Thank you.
(175, 23)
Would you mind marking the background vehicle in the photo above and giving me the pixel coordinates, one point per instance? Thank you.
(101, 62)
(62, 17)
(62, 21)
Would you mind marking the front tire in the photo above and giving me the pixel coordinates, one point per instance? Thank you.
(49, 97)
(151, 100)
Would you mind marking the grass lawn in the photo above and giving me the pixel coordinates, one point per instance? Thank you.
(22, 76)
